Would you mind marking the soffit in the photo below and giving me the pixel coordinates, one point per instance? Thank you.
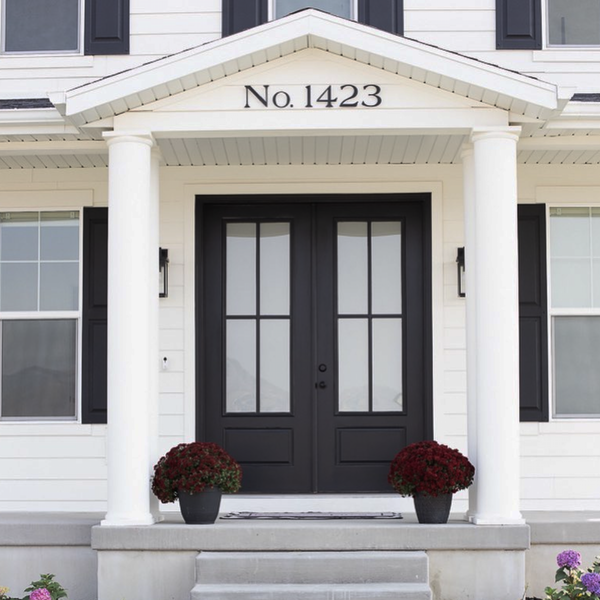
(566, 148)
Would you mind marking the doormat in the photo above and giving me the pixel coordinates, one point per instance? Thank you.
(310, 516)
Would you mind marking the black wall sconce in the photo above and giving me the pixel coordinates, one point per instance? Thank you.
(163, 272)
(460, 270)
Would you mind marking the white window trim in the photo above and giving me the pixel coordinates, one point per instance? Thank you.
(353, 10)
(77, 315)
(562, 312)
(27, 53)
(546, 35)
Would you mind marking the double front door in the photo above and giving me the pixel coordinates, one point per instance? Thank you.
(314, 337)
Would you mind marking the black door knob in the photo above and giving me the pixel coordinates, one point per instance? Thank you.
(322, 384)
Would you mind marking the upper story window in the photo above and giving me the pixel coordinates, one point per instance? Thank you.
(341, 8)
(41, 26)
(573, 22)
(239, 15)
(39, 314)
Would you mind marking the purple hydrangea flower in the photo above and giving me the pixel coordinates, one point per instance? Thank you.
(40, 594)
(569, 558)
(591, 581)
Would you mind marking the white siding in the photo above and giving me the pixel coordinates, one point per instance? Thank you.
(62, 466)
(159, 28)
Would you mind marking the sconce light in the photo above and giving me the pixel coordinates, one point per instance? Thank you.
(163, 272)
(460, 270)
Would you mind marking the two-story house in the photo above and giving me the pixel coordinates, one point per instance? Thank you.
(382, 223)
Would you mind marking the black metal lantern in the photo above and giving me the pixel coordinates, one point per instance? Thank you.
(163, 272)
(460, 271)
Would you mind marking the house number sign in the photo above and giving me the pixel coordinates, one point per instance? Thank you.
(345, 95)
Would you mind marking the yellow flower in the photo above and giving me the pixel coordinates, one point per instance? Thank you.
(4, 591)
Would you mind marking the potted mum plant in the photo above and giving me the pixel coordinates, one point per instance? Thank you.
(430, 473)
(196, 474)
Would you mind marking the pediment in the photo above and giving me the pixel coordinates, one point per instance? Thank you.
(312, 45)
(308, 81)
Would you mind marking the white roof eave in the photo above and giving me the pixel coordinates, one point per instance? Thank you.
(307, 29)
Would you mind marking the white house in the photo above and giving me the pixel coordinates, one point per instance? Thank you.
(314, 177)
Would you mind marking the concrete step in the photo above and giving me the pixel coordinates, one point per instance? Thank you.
(311, 567)
(313, 591)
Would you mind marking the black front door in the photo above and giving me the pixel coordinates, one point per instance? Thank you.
(314, 346)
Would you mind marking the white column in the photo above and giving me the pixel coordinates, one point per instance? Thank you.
(497, 326)
(132, 320)
(471, 315)
(153, 348)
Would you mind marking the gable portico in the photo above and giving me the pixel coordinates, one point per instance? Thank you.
(194, 106)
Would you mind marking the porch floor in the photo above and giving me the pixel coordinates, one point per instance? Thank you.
(65, 528)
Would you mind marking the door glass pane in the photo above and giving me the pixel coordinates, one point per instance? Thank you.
(241, 366)
(274, 268)
(18, 286)
(387, 365)
(576, 365)
(41, 25)
(59, 286)
(19, 236)
(275, 366)
(241, 269)
(574, 23)
(38, 368)
(342, 8)
(353, 365)
(59, 236)
(352, 263)
(386, 257)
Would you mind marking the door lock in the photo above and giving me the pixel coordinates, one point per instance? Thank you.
(322, 368)
(322, 384)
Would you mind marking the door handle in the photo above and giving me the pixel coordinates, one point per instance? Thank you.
(322, 384)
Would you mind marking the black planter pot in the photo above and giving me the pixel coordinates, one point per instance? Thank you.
(202, 508)
(433, 509)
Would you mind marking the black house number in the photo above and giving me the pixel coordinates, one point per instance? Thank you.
(315, 96)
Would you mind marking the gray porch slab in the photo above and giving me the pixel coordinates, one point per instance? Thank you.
(75, 529)
(311, 536)
(565, 527)
(47, 529)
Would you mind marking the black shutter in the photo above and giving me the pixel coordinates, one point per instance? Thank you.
(106, 27)
(518, 24)
(95, 274)
(387, 15)
(533, 322)
(243, 14)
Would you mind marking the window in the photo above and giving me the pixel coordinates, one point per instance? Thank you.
(575, 310)
(39, 314)
(341, 8)
(573, 23)
(41, 26)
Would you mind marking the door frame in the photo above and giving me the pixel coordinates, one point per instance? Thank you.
(281, 198)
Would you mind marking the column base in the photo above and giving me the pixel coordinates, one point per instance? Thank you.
(124, 520)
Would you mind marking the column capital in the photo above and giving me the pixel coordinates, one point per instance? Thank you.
(136, 137)
(486, 133)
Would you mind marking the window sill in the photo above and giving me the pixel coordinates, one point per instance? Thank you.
(44, 61)
(591, 54)
(48, 428)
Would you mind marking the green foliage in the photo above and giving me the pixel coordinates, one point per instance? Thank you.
(47, 581)
(572, 587)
